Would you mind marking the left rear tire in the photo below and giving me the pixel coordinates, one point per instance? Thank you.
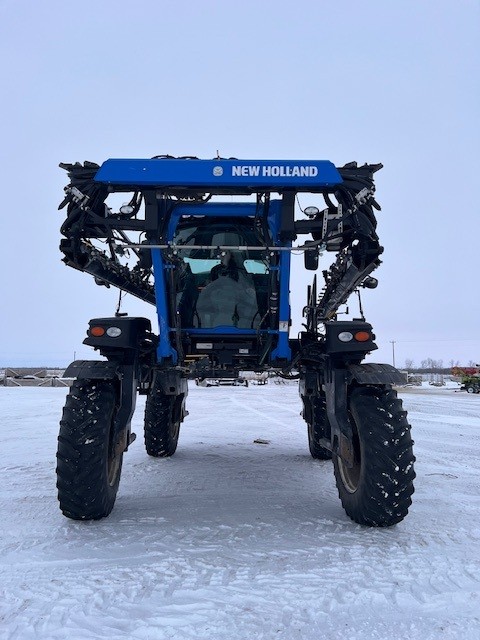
(318, 428)
(163, 415)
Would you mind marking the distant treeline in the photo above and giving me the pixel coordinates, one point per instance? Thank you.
(429, 365)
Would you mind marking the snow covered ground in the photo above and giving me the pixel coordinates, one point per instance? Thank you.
(235, 540)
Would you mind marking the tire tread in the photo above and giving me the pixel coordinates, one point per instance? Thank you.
(84, 492)
(385, 487)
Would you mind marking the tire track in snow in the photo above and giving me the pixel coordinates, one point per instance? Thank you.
(239, 560)
(181, 591)
(267, 417)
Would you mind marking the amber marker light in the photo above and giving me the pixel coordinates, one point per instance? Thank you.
(362, 336)
(97, 331)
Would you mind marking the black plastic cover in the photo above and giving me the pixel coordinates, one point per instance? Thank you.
(91, 370)
(372, 373)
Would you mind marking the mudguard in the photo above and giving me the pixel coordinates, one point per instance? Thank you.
(92, 370)
(171, 382)
(371, 373)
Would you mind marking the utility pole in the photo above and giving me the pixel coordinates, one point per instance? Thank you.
(393, 351)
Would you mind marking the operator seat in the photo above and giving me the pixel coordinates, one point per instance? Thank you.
(229, 299)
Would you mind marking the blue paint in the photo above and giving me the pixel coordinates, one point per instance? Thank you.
(164, 349)
(209, 175)
(283, 350)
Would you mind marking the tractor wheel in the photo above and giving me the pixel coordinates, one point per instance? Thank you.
(377, 491)
(471, 390)
(88, 471)
(318, 428)
(162, 423)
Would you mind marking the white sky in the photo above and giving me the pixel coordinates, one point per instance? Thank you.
(375, 81)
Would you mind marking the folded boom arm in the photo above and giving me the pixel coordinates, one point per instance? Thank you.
(347, 227)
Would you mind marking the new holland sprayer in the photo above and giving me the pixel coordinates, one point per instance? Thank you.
(209, 244)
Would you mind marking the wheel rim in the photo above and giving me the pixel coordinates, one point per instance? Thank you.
(351, 476)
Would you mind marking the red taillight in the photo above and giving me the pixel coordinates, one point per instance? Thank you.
(96, 332)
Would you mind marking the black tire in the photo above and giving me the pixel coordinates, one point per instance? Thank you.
(162, 423)
(88, 473)
(318, 428)
(377, 491)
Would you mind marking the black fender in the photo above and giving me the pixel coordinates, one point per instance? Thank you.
(337, 380)
(126, 390)
(92, 370)
(371, 373)
(172, 382)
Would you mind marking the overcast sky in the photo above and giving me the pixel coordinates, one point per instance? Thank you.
(372, 81)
